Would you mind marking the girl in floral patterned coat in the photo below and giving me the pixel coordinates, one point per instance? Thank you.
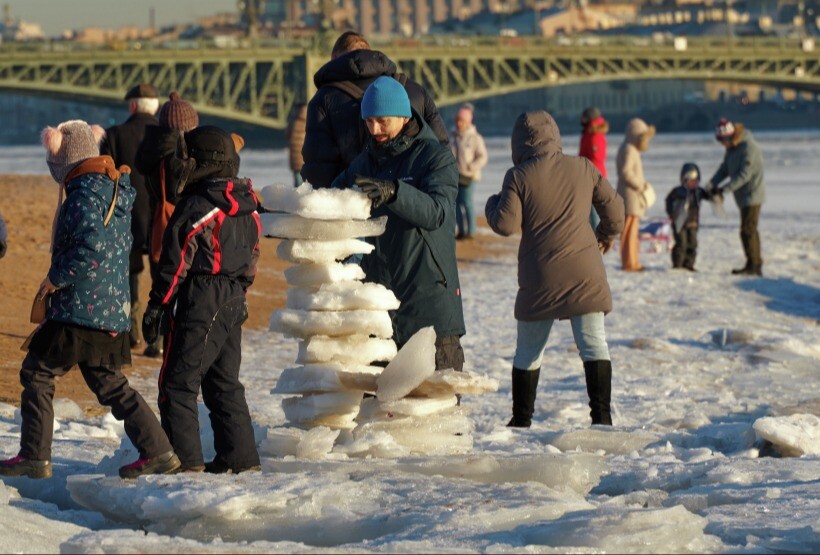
(88, 314)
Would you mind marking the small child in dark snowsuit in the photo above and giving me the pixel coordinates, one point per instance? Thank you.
(208, 261)
(683, 206)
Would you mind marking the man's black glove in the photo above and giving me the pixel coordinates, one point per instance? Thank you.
(380, 191)
(2, 249)
(154, 323)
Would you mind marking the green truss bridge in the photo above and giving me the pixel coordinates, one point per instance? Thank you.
(259, 84)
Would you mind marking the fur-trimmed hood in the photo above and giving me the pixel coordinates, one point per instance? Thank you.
(638, 133)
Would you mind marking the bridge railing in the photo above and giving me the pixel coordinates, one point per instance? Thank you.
(429, 43)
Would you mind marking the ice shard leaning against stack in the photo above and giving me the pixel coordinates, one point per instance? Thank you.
(342, 324)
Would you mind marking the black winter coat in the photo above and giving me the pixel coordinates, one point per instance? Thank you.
(158, 145)
(121, 143)
(416, 255)
(335, 132)
(683, 206)
(214, 231)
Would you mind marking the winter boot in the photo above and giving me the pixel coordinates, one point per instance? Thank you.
(524, 387)
(599, 385)
(744, 270)
(167, 463)
(218, 467)
(21, 466)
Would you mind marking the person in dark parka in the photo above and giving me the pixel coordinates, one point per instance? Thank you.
(547, 196)
(163, 172)
(209, 254)
(335, 135)
(121, 143)
(413, 180)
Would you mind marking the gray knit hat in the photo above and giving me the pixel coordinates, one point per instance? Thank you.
(70, 143)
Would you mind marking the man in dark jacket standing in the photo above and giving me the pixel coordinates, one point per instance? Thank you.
(335, 136)
(743, 165)
(413, 180)
(121, 143)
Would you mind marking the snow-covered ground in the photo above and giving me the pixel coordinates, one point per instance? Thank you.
(698, 359)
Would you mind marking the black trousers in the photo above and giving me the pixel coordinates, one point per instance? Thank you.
(686, 248)
(112, 390)
(205, 351)
(749, 237)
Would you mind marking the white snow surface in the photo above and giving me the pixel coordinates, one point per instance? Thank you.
(306, 323)
(318, 204)
(320, 252)
(289, 226)
(342, 295)
(315, 275)
(698, 359)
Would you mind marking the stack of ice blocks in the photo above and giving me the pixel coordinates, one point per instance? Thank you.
(342, 324)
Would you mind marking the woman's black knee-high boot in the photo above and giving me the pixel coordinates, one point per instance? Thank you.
(599, 385)
(524, 387)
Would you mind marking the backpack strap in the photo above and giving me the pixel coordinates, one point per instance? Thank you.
(350, 88)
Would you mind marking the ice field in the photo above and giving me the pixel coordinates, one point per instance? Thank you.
(705, 366)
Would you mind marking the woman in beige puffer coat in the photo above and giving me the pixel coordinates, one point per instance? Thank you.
(631, 186)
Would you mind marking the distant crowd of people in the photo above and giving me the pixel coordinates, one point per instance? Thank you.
(161, 184)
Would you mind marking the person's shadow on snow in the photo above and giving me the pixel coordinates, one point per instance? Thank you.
(786, 296)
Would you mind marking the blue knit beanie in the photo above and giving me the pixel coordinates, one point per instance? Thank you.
(385, 97)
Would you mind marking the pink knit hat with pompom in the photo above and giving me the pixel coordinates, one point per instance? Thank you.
(70, 143)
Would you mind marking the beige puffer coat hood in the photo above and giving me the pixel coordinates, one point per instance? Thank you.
(631, 181)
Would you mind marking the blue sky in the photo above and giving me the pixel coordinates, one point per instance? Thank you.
(58, 15)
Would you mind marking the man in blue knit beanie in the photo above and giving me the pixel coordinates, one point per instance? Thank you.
(413, 180)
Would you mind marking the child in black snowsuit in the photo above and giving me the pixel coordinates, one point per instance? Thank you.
(208, 261)
(683, 206)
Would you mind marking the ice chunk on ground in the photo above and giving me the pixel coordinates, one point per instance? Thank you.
(334, 410)
(315, 443)
(303, 323)
(66, 409)
(314, 275)
(326, 377)
(673, 530)
(614, 442)
(377, 444)
(299, 250)
(289, 226)
(320, 204)
(348, 348)
(372, 409)
(281, 442)
(440, 434)
(450, 382)
(343, 295)
(413, 364)
(792, 436)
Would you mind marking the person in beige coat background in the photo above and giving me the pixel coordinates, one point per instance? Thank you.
(632, 186)
(470, 152)
(547, 196)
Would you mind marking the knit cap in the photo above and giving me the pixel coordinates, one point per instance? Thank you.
(178, 114)
(68, 144)
(725, 129)
(385, 97)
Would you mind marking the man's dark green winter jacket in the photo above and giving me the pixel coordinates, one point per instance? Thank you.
(416, 255)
